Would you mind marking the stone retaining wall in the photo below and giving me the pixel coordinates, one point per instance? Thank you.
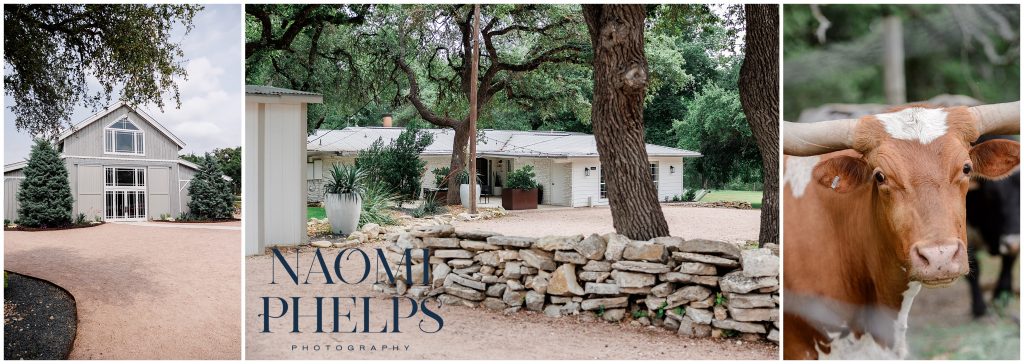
(700, 288)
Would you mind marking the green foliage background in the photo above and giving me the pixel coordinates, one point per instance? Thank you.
(945, 47)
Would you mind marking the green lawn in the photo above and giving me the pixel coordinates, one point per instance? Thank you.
(315, 212)
(754, 197)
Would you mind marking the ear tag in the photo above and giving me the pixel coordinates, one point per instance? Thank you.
(835, 182)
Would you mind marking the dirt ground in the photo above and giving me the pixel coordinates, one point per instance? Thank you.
(685, 222)
(143, 291)
(941, 326)
(39, 319)
(467, 333)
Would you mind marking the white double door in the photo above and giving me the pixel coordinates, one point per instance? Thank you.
(124, 194)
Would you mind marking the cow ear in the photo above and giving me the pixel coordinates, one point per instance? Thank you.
(995, 159)
(842, 174)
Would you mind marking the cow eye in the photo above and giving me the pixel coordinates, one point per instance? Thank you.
(967, 168)
(879, 177)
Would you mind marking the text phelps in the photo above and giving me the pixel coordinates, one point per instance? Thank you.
(350, 314)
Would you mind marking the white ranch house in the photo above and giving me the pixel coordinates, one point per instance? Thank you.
(122, 165)
(566, 163)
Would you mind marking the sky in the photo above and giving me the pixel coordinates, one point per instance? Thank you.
(210, 116)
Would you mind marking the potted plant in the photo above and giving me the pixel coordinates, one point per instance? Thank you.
(520, 193)
(343, 198)
(464, 188)
(440, 193)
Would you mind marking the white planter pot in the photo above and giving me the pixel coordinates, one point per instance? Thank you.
(464, 194)
(343, 212)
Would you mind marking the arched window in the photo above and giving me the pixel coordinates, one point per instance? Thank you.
(123, 137)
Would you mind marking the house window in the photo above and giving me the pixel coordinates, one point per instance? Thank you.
(604, 187)
(123, 137)
(654, 175)
(124, 177)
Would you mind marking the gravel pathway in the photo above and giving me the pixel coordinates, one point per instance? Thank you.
(685, 222)
(143, 292)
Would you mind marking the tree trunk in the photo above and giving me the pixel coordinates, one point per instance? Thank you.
(759, 94)
(620, 79)
(892, 60)
(459, 146)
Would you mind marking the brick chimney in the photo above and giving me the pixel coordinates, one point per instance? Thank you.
(387, 120)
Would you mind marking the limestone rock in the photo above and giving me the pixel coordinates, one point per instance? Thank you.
(474, 234)
(645, 251)
(451, 253)
(705, 258)
(563, 281)
(677, 277)
(616, 245)
(512, 270)
(439, 274)
(538, 259)
(642, 267)
(475, 245)
(513, 298)
(492, 303)
(496, 290)
(739, 326)
(759, 263)
(553, 311)
(322, 244)
(703, 269)
(594, 276)
(614, 315)
(489, 258)
(721, 313)
(569, 257)
(749, 300)
(460, 263)
(593, 247)
(435, 231)
(598, 266)
(773, 336)
(753, 314)
(672, 243)
(705, 303)
(513, 241)
(508, 255)
(611, 302)
(601, 288)
(699, 316)
(463, 292)
(690, 294)
(711, 247)
(737, 282)
(460, 280)
(514, 285)
(534, 301)
(632, 279)
(551, 243)
(663, 289)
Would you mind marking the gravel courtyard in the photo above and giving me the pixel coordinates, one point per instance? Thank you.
(686, 222)
(482, 334)
(146, 291)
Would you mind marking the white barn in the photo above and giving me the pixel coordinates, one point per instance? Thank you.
(566, 163)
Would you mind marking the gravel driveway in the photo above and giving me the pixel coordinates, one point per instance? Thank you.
(685, 222)
(143, 292)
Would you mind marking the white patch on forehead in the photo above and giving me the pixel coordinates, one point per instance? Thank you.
(916, 123)
(798, 173)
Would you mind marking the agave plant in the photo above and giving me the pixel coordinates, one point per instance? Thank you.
(345, 179)
(377, 202)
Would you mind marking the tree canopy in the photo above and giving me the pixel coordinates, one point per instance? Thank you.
(52, 52)
(833, 53)
(535, 68)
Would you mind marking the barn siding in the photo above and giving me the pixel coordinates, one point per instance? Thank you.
(88, 141)
(12, 183)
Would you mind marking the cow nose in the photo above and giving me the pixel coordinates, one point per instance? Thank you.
(1009, 244)
(939, 262)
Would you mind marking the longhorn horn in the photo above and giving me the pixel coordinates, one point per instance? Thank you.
(805, 139)
(997, 119)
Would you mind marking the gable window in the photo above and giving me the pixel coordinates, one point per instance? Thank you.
(123, 137)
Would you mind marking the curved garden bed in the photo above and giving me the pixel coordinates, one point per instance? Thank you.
(40, 319)
(75, 226)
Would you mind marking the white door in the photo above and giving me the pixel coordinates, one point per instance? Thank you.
(560, 185)
(124, 194)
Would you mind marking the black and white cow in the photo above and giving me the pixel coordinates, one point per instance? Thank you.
(993, 211)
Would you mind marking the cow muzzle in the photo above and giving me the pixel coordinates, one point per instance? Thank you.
(938, 263)
(1009, 244)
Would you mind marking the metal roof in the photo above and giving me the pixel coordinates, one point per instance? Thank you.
(508, 143)
(276, 91)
